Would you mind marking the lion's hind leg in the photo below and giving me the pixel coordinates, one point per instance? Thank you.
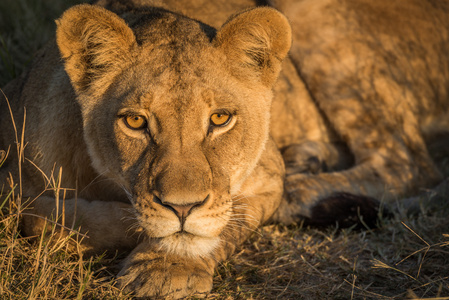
(356, 193)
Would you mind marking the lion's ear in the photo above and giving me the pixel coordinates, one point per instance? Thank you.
(95, 45)
(255, 42)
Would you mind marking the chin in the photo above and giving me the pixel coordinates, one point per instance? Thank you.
(188, 245)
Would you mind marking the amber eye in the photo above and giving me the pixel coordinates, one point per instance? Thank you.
(135, 122)
(220, 119)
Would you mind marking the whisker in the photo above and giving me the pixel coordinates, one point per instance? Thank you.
(242, 222)
(238, 226)
(250, 217)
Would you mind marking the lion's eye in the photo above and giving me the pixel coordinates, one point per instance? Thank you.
(135, 122)
(220, 119)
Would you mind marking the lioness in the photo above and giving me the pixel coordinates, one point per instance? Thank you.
(171, 135)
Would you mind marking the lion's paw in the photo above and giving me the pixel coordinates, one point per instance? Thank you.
(300, 159)
(149, 274)
(313, 157)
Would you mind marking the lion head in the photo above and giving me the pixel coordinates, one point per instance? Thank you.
(174, 111)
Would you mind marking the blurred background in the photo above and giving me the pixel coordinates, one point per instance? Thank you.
(25, 26)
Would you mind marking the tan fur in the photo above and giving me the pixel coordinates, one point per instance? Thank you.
(379, 73)
(352, 107)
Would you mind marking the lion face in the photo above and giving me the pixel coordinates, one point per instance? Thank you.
(176, 114)
(181, 150)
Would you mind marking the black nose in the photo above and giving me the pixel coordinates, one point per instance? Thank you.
(181, 210)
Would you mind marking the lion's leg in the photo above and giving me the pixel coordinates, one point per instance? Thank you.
(384, 173)
(104, 225)
(326, 198)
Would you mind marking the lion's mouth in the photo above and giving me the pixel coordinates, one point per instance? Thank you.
(201, 222)
(188, 245)
(183, 233)
(196, 237)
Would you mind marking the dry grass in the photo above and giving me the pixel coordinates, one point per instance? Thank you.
(47, 268)
(406, 258)
(388, 263)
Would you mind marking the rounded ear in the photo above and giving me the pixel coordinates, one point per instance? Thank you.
(255, 42)
(95, 45)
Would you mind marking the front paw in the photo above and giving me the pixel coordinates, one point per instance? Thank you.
(152, 274)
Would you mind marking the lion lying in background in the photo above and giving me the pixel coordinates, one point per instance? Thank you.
(161, 124)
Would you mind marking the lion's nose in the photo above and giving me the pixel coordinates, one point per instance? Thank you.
(181, 210)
